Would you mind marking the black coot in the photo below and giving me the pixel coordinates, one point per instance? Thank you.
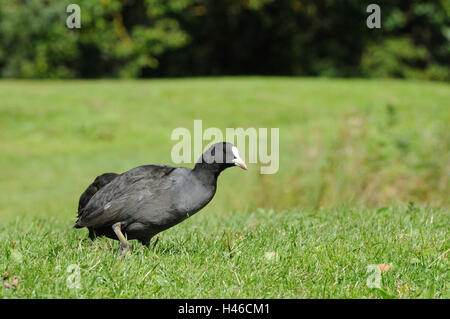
(149, 199)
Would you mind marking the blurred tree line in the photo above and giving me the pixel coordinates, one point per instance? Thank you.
(156, 38)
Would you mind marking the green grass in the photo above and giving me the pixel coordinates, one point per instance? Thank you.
(315, 254)
(347, 149)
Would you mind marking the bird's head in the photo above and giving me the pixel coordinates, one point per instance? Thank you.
(221, 156)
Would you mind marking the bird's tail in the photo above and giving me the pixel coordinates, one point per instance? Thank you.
(99, 182)
(77, 226)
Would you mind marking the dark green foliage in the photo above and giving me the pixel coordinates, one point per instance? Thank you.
(146, 38)
(116, 39)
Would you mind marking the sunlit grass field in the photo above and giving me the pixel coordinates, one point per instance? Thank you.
(299, 253)
(363, 180)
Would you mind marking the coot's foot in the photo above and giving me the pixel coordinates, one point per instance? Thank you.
(124, 246)
(124, 249)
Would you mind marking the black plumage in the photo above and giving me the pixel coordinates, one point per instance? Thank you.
(96, 185)
(149, 199)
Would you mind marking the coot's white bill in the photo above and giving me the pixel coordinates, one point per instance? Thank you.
(238, 160)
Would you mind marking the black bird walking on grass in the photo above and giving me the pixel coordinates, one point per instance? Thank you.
(146, 200)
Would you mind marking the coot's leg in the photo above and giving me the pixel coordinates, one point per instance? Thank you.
(124, 246)
(92, 234)
(146, 242)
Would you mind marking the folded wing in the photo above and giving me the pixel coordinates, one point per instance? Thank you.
(125, 196)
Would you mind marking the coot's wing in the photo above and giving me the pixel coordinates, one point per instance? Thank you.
(124, 196)
(116, 210)
(97, 184)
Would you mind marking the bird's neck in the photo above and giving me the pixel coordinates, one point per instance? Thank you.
(207, 173)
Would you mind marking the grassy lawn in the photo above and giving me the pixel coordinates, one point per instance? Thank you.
(363, 180)
(258, 254)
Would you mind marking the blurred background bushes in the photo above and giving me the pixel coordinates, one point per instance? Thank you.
(170, 38)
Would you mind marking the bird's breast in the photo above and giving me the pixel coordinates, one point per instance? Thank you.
(192, 197)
